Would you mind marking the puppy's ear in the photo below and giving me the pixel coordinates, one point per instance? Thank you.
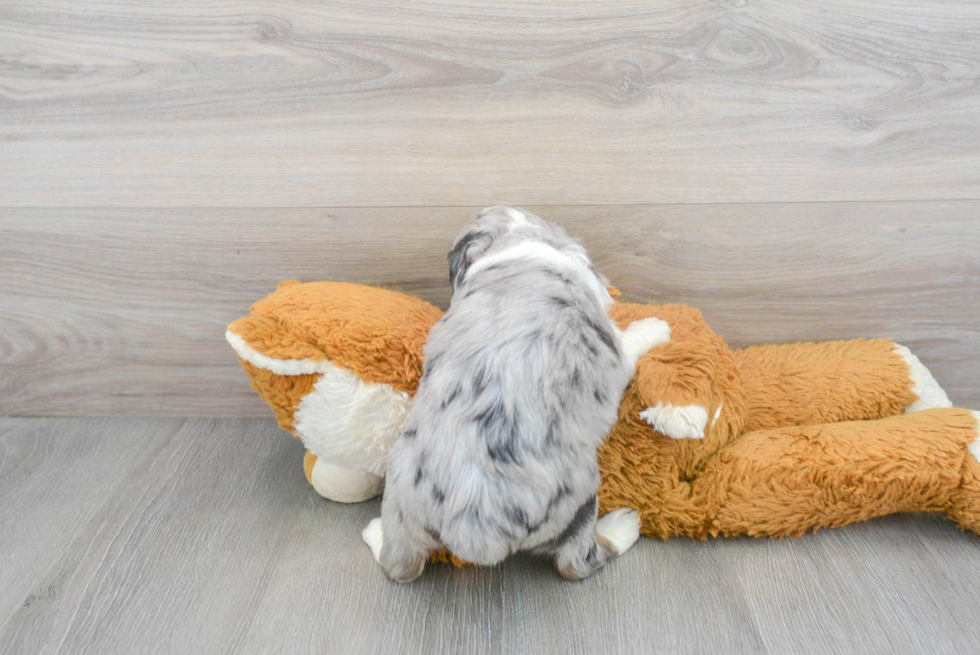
(467, 250)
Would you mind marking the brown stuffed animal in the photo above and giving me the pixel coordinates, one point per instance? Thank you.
(770, 440)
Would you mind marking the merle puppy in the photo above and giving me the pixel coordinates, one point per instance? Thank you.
(522, 381)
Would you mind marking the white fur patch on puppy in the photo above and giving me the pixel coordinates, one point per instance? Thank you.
(974, 446)
(677, 421)
(640, 336)
(620, 527)
(374, 537)
(535, 250)
(930, 394)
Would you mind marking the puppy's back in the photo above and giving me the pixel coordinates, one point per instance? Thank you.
(516, 396)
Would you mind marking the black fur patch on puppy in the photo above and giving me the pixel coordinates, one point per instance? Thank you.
(584, 517)
(466, 250)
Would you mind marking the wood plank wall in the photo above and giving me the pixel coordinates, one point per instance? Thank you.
(795, 170)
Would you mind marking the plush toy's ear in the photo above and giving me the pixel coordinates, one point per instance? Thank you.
(613, 291)
(466, 250)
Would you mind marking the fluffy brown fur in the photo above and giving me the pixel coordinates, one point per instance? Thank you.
(810, 435)
(375, 333)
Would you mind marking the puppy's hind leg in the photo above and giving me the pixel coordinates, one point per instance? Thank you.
(400, 549)
(587, 543)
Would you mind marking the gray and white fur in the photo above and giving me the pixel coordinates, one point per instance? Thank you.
(522, 381)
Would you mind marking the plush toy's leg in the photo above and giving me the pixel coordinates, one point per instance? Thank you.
(786, 481)
(666, 506)
(340, 484)
(652, 474)
(964, 507)
(832, 381)
(928, 393)
(686, 376)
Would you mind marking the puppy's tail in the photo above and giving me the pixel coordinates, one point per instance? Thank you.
(475, 539)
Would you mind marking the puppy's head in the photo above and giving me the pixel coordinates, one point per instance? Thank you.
(499, 228)
(488, 230)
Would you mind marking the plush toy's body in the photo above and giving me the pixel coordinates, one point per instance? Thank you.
(800, 436)
(767, 441)
(338, 363)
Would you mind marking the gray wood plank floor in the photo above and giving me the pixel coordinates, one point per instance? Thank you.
(202, 536)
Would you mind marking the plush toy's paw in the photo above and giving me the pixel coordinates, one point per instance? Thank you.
(640, 336)
(930, 394)
(677, 421)
(974, 446)
(344, 485)
(620, 529)
(373, 537)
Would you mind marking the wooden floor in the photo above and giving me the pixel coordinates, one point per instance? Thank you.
(202, 536)
(797, 170)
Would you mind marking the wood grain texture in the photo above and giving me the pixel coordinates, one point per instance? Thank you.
(205, 537)
(43, 463)
(286, 103)
(123, 311)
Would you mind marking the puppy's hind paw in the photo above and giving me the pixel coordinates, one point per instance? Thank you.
(373, 537)
(619, 529)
